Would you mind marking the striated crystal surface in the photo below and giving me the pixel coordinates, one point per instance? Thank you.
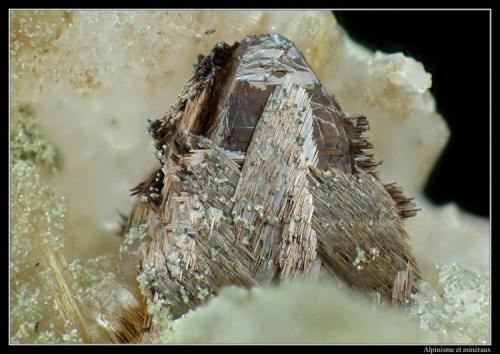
(77, 81)
(262, 63)
(93, 89)
(305, 201)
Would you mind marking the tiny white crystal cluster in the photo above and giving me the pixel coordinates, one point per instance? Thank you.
(94, 77)
(37, 227)
(51, 301)
(458, 309)
(36, 224)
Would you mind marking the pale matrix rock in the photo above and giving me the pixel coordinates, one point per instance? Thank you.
(93, 90)
(300, 312)
(446, 235)
(455, 310)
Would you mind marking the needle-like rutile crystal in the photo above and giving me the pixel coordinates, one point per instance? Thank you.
(264, 178)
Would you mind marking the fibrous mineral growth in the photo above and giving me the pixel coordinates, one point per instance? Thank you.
(76, 82)
(305, 200)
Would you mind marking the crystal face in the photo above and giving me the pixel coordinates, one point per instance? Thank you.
(257, 67)
(93, 89)
(262, 167)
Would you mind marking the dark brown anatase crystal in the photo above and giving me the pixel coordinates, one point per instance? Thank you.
(264, 178)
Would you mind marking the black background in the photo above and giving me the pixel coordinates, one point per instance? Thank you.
(454, 48)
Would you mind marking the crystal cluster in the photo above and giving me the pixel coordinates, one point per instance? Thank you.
(458, 308)
(305, 166)
(76, 81)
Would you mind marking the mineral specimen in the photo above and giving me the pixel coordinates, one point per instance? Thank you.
(77, 80)
(263, 179)
(91, 90)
